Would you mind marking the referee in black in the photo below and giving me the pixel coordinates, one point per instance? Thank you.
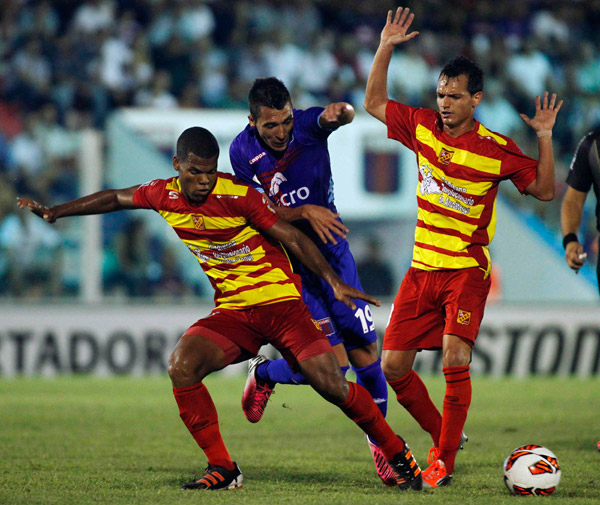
(584, 174)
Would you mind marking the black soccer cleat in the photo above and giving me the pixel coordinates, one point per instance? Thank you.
(217, 478)
(407, 469)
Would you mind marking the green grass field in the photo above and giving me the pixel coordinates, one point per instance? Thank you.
(120, 441)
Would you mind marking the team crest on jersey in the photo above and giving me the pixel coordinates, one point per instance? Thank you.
(268, 204)
(445, 156)
(464, 317)
(198, 222)
(316, 323)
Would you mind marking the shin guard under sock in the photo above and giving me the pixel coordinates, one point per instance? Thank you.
(198, 413)
(456, 406)
(372, 379)
(359, 407)
(414, 397)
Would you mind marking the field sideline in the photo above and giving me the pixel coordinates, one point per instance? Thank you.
(120, 441)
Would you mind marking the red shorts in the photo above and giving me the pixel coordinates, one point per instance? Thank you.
(288, 326)
(431, 304)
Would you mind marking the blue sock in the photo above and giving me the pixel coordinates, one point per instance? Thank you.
(372, 379)
(280, 372)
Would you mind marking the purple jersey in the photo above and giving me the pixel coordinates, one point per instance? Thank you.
(301, 175)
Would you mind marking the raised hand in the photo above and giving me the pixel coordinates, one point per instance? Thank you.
(394, 31)
(545, 114)
(37, 208)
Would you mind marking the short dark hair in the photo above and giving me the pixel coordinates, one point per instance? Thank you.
(461, 65)
(199, 141)
(267, 92)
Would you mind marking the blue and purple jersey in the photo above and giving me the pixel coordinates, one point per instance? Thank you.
(301, 175)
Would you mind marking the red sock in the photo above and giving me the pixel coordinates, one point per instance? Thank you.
(456, 405)
(199, 414)
(413, 396)
(360, 407)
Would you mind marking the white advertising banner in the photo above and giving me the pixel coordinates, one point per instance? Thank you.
(109, 340)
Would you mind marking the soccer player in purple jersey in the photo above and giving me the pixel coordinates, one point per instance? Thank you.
(283, 152)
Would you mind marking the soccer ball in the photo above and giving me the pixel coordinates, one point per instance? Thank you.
(531, 470)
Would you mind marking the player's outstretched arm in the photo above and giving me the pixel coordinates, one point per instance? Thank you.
(543, 188)
(336, 114)
(102, 202)
(571, 214)
(302, 247)
(394, 33)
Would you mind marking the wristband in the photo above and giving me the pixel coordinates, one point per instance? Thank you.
(568, 238)
(544, 133)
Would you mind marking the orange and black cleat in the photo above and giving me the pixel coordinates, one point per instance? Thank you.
(407, 470)
(217, 478)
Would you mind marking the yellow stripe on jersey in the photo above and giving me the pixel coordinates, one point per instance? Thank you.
(441, 240)
(269, 293)
(460, 156)
(441, 221)
(491, 229)
(222, 187)
(426, 259)
(209, 223)
(229, 187)
(484, 132)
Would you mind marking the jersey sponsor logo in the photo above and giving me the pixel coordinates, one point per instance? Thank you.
(445, 156)
(464, 317)
(276, 181)
(235, 197)
(429, 186)
(198, 222)
(294, 196)
(173, 195)
(257, 157)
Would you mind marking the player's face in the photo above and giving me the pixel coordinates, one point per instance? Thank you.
(274, 126)
(197, 176)
(455, 104)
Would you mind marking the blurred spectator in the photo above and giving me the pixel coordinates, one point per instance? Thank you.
(133, 269)
(375, 274)
(497, 113)
(30, 253)
(94, 15)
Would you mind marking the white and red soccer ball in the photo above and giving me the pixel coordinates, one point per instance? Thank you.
(531, 470)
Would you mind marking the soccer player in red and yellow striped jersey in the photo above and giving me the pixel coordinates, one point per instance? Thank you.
(239, 240)
(441, 300)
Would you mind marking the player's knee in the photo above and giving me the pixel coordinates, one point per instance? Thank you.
(394, 370)
(456, 355)
(336, 391)
(183, 370)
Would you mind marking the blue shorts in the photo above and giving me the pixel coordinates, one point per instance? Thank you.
(353, 328)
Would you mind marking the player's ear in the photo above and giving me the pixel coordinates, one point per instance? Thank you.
(251, 120)
(176, 163)
(476, 98)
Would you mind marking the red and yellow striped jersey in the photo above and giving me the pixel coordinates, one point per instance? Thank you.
(458, 184)
(245, 267)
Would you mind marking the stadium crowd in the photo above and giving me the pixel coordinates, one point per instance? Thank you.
(66, 65)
